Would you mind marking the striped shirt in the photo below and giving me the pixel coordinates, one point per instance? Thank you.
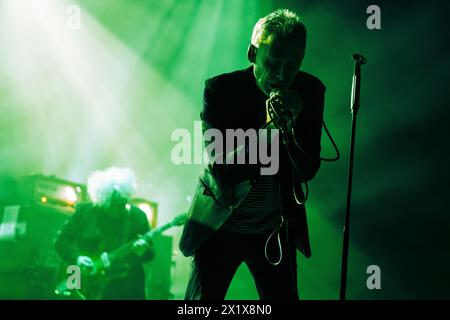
(260, 210)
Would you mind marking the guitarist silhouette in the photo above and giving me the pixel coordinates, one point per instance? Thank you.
(104, 225)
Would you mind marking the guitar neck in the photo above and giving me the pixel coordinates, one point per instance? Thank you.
(149, 235)
(126, 249)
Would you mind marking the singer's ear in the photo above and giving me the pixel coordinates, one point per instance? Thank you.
(251, 53)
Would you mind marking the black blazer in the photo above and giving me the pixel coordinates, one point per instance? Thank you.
(233, 101)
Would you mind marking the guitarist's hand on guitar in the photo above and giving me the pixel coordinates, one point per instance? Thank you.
(86, 264)
(140, 247)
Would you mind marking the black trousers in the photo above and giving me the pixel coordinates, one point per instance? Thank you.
(215, 263)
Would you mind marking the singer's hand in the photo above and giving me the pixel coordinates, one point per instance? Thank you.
(287, 105)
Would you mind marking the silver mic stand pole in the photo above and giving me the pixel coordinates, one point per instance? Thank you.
(356, 85)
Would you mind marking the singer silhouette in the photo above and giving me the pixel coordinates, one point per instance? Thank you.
(238, 215)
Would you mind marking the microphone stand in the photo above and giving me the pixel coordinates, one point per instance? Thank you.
(356, 86)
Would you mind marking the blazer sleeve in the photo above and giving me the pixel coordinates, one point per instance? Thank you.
(305, 149)
(214, 118)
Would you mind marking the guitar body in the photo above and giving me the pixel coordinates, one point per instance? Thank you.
(91, 286)
(107, 266)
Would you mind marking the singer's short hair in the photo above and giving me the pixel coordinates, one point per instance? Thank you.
(112, 182)
(281, 22)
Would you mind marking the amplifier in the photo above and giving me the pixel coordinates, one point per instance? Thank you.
(49, 191)
(29, 262)
(159, 270)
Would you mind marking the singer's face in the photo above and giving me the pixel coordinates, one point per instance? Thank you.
(277, 63)
(116, 207)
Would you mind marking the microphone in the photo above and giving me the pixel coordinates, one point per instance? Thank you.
(274, 107)
(273, 92)
(279, 122)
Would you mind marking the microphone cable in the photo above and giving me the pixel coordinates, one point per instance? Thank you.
(276, 119)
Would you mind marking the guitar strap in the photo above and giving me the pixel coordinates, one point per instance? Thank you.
(124, 237)
(122, 240)
(105, 245)
(126, 230)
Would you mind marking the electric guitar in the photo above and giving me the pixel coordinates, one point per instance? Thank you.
(93, 282)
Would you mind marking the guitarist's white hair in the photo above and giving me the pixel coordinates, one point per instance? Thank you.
(103, 185)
